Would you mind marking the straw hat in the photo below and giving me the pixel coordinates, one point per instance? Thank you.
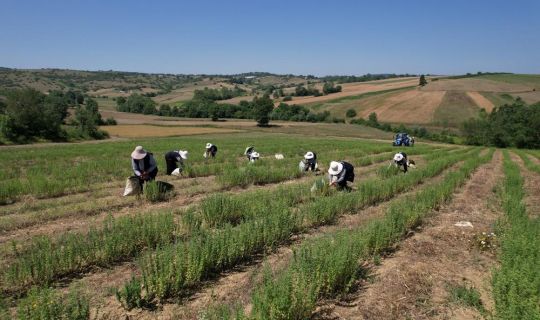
(335, 168)
(398, 157)
(208, 145)
(139, 153)
(183, 154)
(309, 155)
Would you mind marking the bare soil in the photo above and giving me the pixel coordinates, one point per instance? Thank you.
(481, 101)
(475, 84)
(411, 106)
(414, 281)
(531, 183)
(356, 88)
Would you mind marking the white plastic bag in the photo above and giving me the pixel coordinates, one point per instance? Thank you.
(302, 166)
(132, 186)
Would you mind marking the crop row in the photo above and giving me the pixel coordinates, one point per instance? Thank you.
(516, 283)
(528, 162)
(329, 265)
(173, 270)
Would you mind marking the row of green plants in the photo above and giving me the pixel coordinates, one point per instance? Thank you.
(174, 270)
(516, 283)
(528, 162)
(118, 239)
(330, 265)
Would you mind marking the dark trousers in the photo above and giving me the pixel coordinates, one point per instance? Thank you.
(171, 165)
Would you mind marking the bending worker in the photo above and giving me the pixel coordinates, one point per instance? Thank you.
(175, 160)
(401, 160)
(211, 150)
(339, 173)
(143, 164)
(310, 161)
(249, 150)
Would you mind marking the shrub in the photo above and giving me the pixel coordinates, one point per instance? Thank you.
(47, 304)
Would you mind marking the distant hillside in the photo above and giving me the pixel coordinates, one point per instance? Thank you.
(442, 102)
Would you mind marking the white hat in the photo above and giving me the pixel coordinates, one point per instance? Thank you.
(183, 154)
(254, 154)
(138, 153)
(309, 155)
(398, 157)
(208, 145)
(335, 168)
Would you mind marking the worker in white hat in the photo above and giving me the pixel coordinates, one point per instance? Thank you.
(400, 160)
(339, 173)
(144, 165)
(253, 156)
(211, 150)
(309, 161)
(175, 160)
(249, 150)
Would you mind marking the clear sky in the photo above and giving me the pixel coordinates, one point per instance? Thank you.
(299, 37)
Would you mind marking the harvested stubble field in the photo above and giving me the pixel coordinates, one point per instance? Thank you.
(251, 241)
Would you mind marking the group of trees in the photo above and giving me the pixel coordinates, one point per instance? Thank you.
(329, 88)
(261, 109)
(28, 115)
(218, 94)
(511, 125)
(301, 91)
(136, 103)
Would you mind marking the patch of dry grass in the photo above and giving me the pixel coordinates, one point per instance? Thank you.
(143, 130)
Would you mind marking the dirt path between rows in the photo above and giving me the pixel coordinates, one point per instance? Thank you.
(414, 282)
(531, 183)
(235, 286)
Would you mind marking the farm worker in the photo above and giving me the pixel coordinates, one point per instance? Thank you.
(339, 173)
(143, 164)
(249, 150)
(175, 160)
(253, 156)
(211, 150)
(310, 161)
(400, 160)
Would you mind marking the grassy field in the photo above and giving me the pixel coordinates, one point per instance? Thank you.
(233, 240)
(455, 108)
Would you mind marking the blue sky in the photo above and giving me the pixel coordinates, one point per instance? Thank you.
(299, 37)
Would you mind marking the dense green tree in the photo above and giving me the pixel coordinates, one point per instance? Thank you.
(165, 110)
(372, 120)
(261, 110)
(351, 113)
(329, 88)
(31, 114)
(423, 81)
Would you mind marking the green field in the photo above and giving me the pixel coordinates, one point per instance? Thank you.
(532, 80)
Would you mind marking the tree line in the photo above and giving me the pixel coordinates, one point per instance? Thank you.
(27, 115)
(510, 125)
(260, 109)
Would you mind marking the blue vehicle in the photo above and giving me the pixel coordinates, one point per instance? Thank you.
(402, 139)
